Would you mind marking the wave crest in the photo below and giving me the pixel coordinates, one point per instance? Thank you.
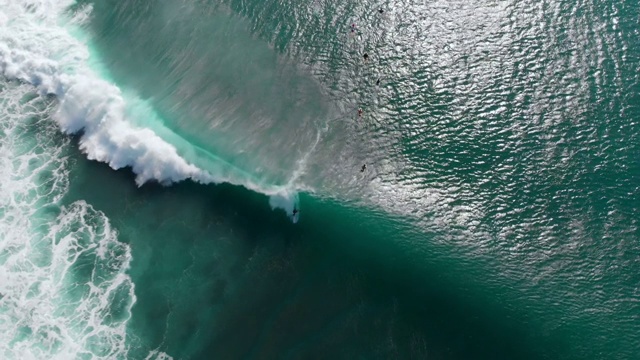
(34, 48)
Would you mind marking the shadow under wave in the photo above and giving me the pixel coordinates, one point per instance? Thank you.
(218, 274)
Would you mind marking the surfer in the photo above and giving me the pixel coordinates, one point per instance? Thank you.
(365, 56)
(364, 167)
(360, 112)
(378, 82)
(380, 11)
(295, 211)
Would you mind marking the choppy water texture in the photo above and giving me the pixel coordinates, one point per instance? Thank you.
(497, 218)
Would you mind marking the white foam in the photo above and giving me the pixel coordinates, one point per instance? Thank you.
(50, 308)
(157, 355)
(35, 49)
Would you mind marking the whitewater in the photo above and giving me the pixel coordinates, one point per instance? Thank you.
(63, 270)
(65, 292)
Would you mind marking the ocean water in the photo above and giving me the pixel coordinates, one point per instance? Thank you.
(152, 152)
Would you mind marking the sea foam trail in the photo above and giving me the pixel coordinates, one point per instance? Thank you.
(34, 48)
(64, 292)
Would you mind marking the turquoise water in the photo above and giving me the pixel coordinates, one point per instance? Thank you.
(497, 218)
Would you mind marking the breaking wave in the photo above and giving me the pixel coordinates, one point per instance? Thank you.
(37, 47)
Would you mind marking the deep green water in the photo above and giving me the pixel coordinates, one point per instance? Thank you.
(497, 219)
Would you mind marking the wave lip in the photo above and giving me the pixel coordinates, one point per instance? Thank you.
(97, 109)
